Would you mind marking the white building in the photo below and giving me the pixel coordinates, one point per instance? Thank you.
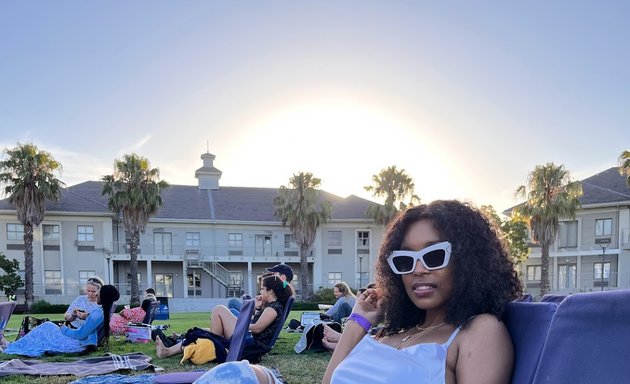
(592, 252)
(207, 241)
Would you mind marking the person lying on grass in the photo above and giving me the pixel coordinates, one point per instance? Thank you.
(119, 324)
(50, 338)
(443, 280)
(270, 304)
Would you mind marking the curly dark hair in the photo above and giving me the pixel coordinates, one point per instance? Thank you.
(484, 278)
(276, 285)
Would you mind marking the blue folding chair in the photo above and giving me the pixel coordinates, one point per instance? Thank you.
(235, 351)
(254, 353)
(237, 343)
(588, 340)
(285, 314)
(528, 324)
(6, 310)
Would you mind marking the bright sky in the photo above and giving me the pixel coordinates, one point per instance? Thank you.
(467, 97)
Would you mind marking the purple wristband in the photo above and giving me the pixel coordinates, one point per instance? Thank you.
(362, 321)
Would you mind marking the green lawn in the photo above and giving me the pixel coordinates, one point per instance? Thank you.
(305, 368)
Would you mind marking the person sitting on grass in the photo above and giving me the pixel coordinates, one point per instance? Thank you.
(273, 297)
(81, 307)
(50, 338)
(331, 337)
(283, 271)
(343, 305)
(443, 281)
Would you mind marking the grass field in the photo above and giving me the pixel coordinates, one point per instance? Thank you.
(305, 368)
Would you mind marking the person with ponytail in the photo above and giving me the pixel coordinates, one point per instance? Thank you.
(274, 294)
(50, 338)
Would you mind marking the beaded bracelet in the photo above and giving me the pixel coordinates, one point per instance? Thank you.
(362, 321)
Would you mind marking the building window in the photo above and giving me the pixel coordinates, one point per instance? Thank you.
(334, 239)
(289, 241)
(362, 279)
(50, 231)
(533, 272)
(334, 278)
(603, 227)
(192, 240)
(194, 280)
(597, 270)
(52, 282)
(164, 284)
(163, 242)
(85, 233)
(567, 276)
(235, 240)
(363, 239)
(263, 245)
(194, 284)
(567, 234)
(236, 278)
(15, 232)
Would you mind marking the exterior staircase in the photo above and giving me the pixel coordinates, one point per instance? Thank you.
(214, 269)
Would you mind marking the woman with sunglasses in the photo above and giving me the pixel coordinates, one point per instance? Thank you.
(52, 339)
(81, 307)
(443, 279)
(274, 294)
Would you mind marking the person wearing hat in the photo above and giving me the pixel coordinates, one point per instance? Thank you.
(283, 271)
(149, 298)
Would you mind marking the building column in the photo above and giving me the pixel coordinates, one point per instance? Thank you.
(553, 275)
(149, 273)
(578, 272)
(250, 277)
(185, 280)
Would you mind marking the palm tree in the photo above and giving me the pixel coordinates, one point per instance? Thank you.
(299, 207)
(29, 178)
(624, 165)
(394, 186)
(550, 195)
(134, 189)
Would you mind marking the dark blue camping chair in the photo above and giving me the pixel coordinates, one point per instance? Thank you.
(588, 340)
(528, 324)
(553, 298)
(241, 329)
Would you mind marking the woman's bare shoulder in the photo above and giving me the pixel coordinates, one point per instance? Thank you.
(483, 326)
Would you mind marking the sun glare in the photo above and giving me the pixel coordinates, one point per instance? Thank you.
(342, 143)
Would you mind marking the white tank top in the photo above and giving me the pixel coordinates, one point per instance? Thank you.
(373, 362)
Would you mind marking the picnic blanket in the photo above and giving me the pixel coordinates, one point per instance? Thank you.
(115, 378)
(84, 367)
(47, 338)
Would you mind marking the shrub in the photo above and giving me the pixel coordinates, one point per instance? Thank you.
(42, 306)
(304, 306)
(323, 296)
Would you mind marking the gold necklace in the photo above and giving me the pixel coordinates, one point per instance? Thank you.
(422, 331)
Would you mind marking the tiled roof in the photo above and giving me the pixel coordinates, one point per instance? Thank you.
(188, 202)
(606, 187)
